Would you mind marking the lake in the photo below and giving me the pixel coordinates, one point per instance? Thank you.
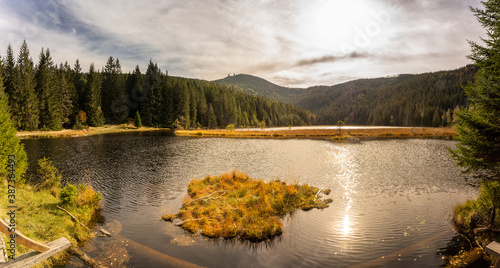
(392, 198)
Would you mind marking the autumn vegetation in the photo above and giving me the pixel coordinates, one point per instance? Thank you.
(234, 205)
(322, 133)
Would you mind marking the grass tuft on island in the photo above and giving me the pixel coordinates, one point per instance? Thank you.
(234, 205)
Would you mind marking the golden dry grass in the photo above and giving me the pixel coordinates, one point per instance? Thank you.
(85, 132)
(235, 205)
(323, 133)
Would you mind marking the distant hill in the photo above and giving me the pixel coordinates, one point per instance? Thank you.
(261, 87)
(426, 99)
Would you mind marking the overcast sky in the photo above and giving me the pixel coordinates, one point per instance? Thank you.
(295, 43)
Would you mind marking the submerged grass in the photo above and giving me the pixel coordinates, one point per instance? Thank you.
(234, 205)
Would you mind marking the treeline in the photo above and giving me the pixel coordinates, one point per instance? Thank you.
(427, 99)
(48, 96)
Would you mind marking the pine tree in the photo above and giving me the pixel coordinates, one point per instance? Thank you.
(135, 91)
(93, 98)
(114, 98)
(212, 120)
(24, 102)
(152, 97)
(137, 121)
(9, 142)
(479, 126)
(80, 85)
(49, 94)
(67, 97)
(9, 72)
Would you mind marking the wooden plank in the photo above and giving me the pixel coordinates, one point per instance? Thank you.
(21, 239)
(493, 248)
(3, 250)
(33, 257)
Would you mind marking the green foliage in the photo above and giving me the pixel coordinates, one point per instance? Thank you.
(48, 175)
(9, 142)
(476, 213)
(50, 99)
(68, 194)
(137, 121)
(87, 196)
(93, 98)
(230, 127)
(24, 100)
(114, 96)
(478, 126)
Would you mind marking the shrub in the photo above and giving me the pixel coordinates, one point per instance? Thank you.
(87, 196)
(68, 195)
(48, 175)
(230, 127)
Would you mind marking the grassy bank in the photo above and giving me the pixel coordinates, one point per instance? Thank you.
(479, 221)
(86, 132)
(234, 205)
(38, 217)
(322, 133)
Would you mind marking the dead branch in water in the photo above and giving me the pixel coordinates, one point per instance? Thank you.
(317, 194)
(73, 217)
(208, 197)
(186, 221)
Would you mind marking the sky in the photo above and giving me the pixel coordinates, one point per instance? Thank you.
(293, 43)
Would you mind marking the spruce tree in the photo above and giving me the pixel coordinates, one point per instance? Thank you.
(68, 96)
(478, 126)
(9, 72)
(93, 98)
(9, 142)
(114, 98)
(134, 91)
(137, 121)
(24, 102)
(49, 95)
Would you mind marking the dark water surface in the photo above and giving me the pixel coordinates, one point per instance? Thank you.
(392, 198)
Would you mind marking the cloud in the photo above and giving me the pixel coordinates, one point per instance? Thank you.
(297, 42)
(331, 58)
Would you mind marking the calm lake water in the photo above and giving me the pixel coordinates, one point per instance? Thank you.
(392, 198)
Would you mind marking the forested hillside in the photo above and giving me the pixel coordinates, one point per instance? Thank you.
(261, 87)
(48, 96)
(405, 100)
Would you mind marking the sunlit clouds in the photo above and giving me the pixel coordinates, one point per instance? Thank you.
(291, 43)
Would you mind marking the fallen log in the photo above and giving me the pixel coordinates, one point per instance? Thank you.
(155, 255)
(85, 258)
(104, 232)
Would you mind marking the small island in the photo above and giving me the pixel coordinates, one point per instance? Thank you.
(233, 205)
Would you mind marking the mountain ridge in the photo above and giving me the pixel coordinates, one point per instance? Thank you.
(404, 99)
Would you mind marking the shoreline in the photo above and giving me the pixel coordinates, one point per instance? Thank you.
(71, 133)
(358, 132)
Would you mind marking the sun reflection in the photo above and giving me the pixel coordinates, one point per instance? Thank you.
(344, 161)
(346, 225)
